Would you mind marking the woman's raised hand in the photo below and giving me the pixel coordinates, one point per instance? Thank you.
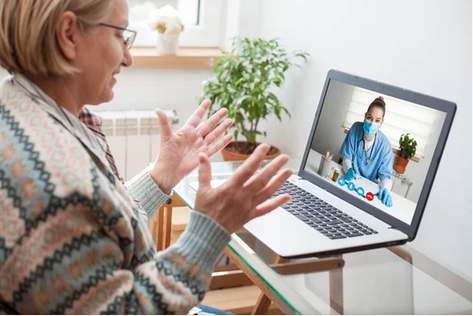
(179, 152)
(245, 195)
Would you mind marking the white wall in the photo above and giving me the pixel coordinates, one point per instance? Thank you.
(422, 45)
(152, 88)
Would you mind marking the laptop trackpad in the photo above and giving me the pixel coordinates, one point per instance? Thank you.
(285, 234)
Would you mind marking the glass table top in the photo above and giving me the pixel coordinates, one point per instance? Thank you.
(371, 282)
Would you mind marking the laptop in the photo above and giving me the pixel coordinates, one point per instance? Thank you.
(331, 215)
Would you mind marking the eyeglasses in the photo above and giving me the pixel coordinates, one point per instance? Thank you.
(128, 35)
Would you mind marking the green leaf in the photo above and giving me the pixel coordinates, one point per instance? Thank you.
(235, 135)
(241, 99)
(286, 111)
(302, 55)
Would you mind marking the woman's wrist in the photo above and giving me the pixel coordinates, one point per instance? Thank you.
(162, 179)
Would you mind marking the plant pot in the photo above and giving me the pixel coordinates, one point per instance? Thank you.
(229, 155)
(400, 164)
(166, 46)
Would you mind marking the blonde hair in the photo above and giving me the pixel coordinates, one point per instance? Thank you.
(28, 42)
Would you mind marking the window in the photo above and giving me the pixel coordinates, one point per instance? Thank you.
(201, 18)
(419, 121)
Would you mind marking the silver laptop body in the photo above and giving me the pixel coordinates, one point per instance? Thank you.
(290, 234)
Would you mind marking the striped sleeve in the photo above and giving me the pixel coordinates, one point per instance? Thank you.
(183, 270)
(146, 193)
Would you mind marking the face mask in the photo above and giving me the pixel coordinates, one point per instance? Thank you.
(370, 128)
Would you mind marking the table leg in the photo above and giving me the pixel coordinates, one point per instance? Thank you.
(263, 303)
(336, 289)
(258, 282)
(333, 264)
(167, 226)
(159, 229)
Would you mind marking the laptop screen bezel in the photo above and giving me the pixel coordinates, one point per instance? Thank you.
(449, 108)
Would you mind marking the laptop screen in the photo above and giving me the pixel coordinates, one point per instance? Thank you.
(376, 144)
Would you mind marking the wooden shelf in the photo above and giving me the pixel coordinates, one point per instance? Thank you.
(186, 57)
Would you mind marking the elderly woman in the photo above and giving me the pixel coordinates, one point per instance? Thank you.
(72, 239)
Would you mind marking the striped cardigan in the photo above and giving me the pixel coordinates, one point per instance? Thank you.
(72, 240)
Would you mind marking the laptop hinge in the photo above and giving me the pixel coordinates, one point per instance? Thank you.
(408, 237)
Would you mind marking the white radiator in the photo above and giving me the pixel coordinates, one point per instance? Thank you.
(133, 137)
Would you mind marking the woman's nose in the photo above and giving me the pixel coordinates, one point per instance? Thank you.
(127, 58)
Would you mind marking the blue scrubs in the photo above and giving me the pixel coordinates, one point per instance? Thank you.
(374, 164)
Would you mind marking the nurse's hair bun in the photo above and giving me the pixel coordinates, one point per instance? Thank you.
(379, 100)
(379, 103)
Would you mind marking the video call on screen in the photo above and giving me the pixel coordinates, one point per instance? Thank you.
(341, 130)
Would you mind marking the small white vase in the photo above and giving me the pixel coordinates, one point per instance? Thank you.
(166, 46)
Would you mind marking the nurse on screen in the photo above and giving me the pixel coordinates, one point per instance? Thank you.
(366, 151)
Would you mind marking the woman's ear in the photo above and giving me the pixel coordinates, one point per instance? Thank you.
(67, 31)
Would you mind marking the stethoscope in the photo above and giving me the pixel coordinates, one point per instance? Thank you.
(368, 160)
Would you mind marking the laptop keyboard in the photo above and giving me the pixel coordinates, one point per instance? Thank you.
(321, 216)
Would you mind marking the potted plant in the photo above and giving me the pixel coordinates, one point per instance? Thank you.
(407, 150)
(242, 83)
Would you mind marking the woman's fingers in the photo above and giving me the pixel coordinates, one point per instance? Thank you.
(234, 203)
(198, 114)
(216, 133)
(219, 145)
(205, 174)
(206, 127)
(248, 168)
(269, 205)
(259, 181)
(274, 184)
(164, 126)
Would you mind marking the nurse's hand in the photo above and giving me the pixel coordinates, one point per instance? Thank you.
(385, 197)
(351, 174)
